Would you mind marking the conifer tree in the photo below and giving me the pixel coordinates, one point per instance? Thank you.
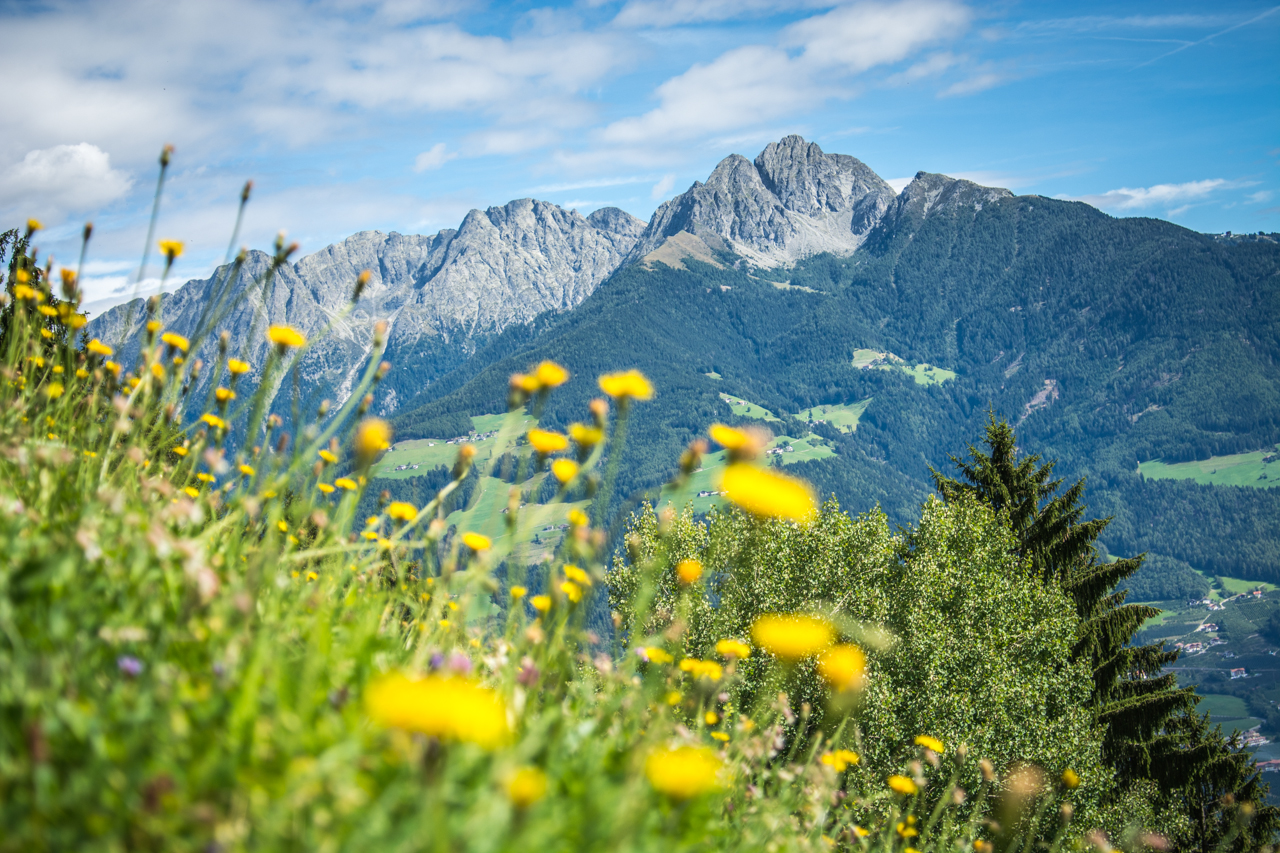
(1152, 729)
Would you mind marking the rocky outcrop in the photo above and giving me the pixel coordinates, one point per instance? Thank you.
(929, 194)
(794, 201)
(441, 295)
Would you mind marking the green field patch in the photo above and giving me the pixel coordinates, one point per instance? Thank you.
(843, 417)
(485, 515)
(1223, 707)
(1239, 469)
(923, 374)
(713, 375)
(745, 409)
(427, 453)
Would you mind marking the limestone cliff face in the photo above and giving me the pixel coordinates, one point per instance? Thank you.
(794, 201)
(440, 294)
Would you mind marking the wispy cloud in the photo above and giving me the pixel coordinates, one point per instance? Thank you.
(974, 84)
(433, 158)
(1207, 38)
(1160, 195)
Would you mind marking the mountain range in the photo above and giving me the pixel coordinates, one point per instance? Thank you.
(801, 283)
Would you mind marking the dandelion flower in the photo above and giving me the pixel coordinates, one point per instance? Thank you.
(525, 383)
(844, 667)
(564, 470)
(578, 518)
(628, 385)
(97, 347)
(157, 370)
(730, 438)
(683, 772)
(176, 341)
(22, 291)
(577, 575)
(1070, 778)
(54, 390)
(247, 470)
(205, 477)
(707, 669)
(840, 760)
(792, 637)
(285, 337)
(932, 743)
(449, 708)
(81, 373)
(181, 451)
(329, 457)
(545, 441)
(653, 654)
(33, 225)
(190, 492)
(688, 571)
(282, 527)
(526, 786)
(541, 603)
(720, 736)
(372, 437)
(48, 311)
(236, 367)
(112, 368)
(586, 436)
(325, 487)
(346, 483)
(903, 785)
(477, 541)
(401, 511)
(764, 493)
(733, 649)
(551, 375)
(223, 395)
(518, 592)
(172, 249)
(214, 421)
(571, 591)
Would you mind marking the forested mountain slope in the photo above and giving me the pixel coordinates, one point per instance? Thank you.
(1107, 341)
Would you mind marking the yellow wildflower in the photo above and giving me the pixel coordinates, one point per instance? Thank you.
(907, 829)
(205, 477)
(688, 571)
(564, 470)
(792, 637)
(674, 698)
(444, 707)
(325, 487)
(112, 367)
(733, 649)
(1070, 778)
(214, 421)
(91, 454)
(844, 667)
(578, 518)
(401, 511)
(840, 760)
(630, 384)
(711, 718)
(477, 541)
(767, 494)
(157, 370)
(181, 451)
(707, 669)
(541, 603)
(171, 248)
(518, 592)
(247, 470)
(526, 786)
(545, 441)
(282, 527)
(97, 347)
(550, 375)
(48, 310)
(732, 439)
(346, 483)
(653, 654)
(81, 373)
(285, 337)
(153, 326)
(329, 457)
(371, 535)
(190, 492)
(586, 436)
(33, 225)
(54, 390)
(930, 743)
(313, 576)
(571, 591)
(524, 382)
(577, 575)
(176, 341)
(903, 785)
(236, 367)
(22, 291)
(46, 334)
(372, 437)
(223, 395)
(683, 772)
(720, 736)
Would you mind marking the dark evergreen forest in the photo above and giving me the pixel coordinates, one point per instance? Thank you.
(1105, 341)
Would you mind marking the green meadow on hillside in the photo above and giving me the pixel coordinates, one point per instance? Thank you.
(923, 374)
(1237, 469)
(842, 417)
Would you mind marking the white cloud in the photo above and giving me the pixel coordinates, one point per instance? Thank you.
(663, 187)
(1261, 196)
(433, 158)
(669, 13)
(862, 36)
(52, 182)
(753, 84)
(1160, 195)
(930, 67)
(973, 85)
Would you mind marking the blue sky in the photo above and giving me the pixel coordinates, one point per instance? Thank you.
(403, 115)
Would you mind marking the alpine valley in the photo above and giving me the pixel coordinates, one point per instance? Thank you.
(872, 332)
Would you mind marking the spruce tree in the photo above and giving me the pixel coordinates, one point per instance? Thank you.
(1152, 729)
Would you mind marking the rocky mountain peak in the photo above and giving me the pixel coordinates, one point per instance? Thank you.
(929, 194)
(793, 201)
